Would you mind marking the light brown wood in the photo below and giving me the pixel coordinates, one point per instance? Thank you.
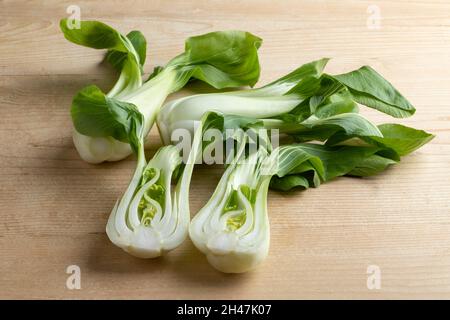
(54, 206)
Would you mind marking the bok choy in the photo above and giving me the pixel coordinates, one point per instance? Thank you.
(151, 217)
(318, 111)
(232, 229)
(221, 59)
(304, 95)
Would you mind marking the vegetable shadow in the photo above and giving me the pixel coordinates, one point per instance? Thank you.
(189, 266)
(193, 269)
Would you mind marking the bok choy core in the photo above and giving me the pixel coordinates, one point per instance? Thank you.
(221, 59)
(151, 218)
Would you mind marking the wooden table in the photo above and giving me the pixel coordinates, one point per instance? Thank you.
(54, 206)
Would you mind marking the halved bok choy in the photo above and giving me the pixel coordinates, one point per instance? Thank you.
(232, 228)
(152, 216)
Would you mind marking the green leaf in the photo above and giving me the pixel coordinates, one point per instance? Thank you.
(289, 182)
(316, 89)
(370, 89)
(307, 87)
(96, 115)
(336, 104)
(94, 34)
(325, 88)
(234, 122)
(300, 113)
(292, 157)
(402, 139)
(221, 59)
(338, 161)
(371, 166)
(126, 54)
(308, 165)
(139, 43)
(397, 140)
(117, 58)
(321, 129)
(297, 80)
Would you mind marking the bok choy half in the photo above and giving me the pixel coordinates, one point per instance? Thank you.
(221, 59)
(232, 229)
(152, 217)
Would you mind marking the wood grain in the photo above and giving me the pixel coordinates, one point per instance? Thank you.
(54, 206)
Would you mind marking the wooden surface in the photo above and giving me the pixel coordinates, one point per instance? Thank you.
(54, 206)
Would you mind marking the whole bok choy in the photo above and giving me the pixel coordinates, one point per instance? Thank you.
(304, 95)
(222, 59)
